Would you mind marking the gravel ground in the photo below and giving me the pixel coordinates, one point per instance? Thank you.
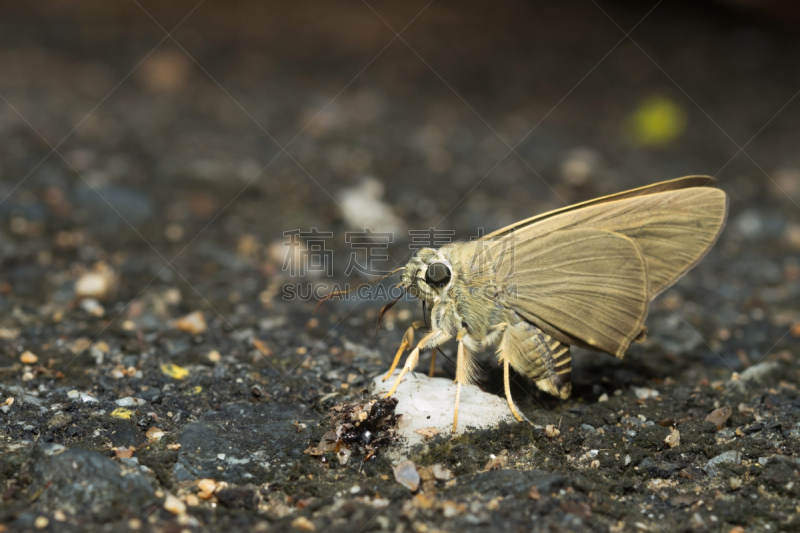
(153, 377)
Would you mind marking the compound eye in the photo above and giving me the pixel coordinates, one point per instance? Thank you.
(438, 275)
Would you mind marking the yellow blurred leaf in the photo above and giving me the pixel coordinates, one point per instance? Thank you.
(175, 371)
(657, 121)
(121, 412)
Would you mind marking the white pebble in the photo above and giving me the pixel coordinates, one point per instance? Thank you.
(130, 401)
(406, 474)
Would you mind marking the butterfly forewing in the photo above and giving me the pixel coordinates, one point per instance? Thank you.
(669, 185)
(588, 283)
(586, 289)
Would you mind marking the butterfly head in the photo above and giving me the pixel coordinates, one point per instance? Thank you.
(427, 275)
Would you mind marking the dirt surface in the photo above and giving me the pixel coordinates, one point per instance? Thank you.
(153, 377)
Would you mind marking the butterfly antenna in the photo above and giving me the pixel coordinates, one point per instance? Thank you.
(339, 293)
(386, 308)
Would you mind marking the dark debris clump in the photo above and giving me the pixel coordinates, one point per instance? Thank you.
(361, 428)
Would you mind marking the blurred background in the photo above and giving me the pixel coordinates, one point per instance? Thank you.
(169, 151)
(167, 168)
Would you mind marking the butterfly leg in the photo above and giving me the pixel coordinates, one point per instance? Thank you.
(461, 376)
(464, 372)
(494, 335)
(433, 363)
(507, 383)
(431, 340)
(539, 356)
(405, 344)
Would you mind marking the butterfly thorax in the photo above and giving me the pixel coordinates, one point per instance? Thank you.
(459, 287)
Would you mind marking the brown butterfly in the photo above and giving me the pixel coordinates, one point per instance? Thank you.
(582, 275)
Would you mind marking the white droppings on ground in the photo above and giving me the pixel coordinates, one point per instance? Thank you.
(429, 403)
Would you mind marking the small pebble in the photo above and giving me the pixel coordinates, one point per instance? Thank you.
(441, 472)
(154, 433)
(93, 307)
(344, 455)
(130, 401)
(28, 358)
(165, 71)
(719, 416)
(644, 393)
(551, 431)
(578, 165)
(302, 523)
(102, 346)
(98, 284)
(207, 488)
(80, 345)
(731, 457)
(194, 323)
(673, 439)
(172, 296)
(214, 356)
(362, 207)
(82, 396)
(174, 505)
(41, 522)
(450, 509)
(173, 232)
(496, 463)
(124, 453)
(406, 474)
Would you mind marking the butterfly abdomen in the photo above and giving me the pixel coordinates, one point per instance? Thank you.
(539, 356)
